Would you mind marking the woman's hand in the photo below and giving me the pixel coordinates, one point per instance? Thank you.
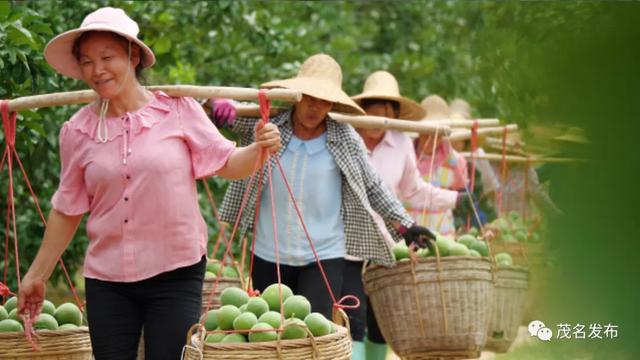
(31, 296)
(268, 138)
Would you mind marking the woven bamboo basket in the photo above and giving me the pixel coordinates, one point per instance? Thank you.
(223, 283)
(433, 307)
(336, 346)
(507, 308)
(73, 344)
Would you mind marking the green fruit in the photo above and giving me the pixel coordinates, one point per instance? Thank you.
(423, 252)
(400, 250)
(318, 324)
(245, 321)
(45, 322)
(272, 295)
(262, 336)
(521, 236)
(502, 224)
(226, 315)
(48, 307)
(10, 325)
(208, 275)
(4, 314)
(473, 231)
(467, 240)
(508, 238)
(443, 245)
(474, 253)
(457, 249)
(215, 338)
(13, 315)
(67, 327)
(234, 338)
(211, 321)
(11, 304)
(257, 305)
(68, 313)
(213, 267)
(481, 247)
(234, 296)
(270, 317)
(296, 306)
(243, 308)
(294, 329)
(230, 272)
(503, 259)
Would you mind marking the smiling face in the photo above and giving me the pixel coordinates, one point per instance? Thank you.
(103, 58)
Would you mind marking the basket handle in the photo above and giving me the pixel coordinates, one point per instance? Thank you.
(314, 345)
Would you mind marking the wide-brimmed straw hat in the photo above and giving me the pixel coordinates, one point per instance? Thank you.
(59, 51)
(383, 85)
(459, 110)
(436, 107)
(320, 76)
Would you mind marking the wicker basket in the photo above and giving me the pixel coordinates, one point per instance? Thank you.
(523, 254)
(336, 346)
(223, 283)
(73, 344)
(507, 309)
(433, 307)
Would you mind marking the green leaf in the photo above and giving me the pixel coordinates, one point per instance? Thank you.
(162, 45)
(27, 38)
(5, 8)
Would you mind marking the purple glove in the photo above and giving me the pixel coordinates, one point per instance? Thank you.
(223, 113)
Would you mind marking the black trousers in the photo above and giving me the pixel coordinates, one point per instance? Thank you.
(166, 305)
(303, 280)
(362, 319)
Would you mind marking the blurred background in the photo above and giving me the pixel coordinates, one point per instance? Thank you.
(546, 66)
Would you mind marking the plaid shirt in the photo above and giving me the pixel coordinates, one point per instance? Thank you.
(362, 190)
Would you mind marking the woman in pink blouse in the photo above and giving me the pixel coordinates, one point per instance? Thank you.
(130, 160)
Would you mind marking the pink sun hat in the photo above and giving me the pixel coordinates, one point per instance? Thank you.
(59, 51)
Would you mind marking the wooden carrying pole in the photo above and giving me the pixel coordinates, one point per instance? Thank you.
(520, 159)
(201, 92)
(379, 122)
(466, 134)
(361, 121)
(462, 123)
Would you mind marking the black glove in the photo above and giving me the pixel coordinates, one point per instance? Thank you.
(419, 235)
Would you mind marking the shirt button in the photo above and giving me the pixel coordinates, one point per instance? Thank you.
(126, 221)
(128, 177)
(126, 198)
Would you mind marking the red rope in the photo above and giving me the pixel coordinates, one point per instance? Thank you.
(474, 147)
(503, 170)
(525, 188)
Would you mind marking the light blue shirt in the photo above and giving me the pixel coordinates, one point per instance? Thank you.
(315, 180)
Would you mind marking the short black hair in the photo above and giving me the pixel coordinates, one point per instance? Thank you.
(394, 104)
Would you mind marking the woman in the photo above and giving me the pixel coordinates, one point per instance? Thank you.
(337, 190)
(131, 160)
(444, 168)
(392, 157)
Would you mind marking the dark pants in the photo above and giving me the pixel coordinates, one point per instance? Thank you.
(303, 280)
(352, 285)
(361, 319)
(166, 305)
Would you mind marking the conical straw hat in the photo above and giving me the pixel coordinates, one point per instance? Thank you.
(436, 107)
(320, 76)
(383, 85)
(460, 109)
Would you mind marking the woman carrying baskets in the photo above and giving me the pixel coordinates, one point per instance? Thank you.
(130, 160)
(443, 167)
(326, 165)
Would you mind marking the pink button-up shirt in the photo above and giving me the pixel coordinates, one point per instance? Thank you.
(139, 187)
(394, 160)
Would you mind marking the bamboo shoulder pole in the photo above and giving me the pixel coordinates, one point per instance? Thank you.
(466, 134)
(462, 123)
(379, 122)
(85, 96)
(520, 159)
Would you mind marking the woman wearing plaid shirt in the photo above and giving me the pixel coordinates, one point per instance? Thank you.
(337, 190)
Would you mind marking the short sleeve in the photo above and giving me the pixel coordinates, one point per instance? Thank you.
(209, 149)
(71, 197)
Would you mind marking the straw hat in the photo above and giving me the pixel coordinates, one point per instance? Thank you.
(460, 109)
(436, 107)
(59, 51)
(383, 85)
(320, 77)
